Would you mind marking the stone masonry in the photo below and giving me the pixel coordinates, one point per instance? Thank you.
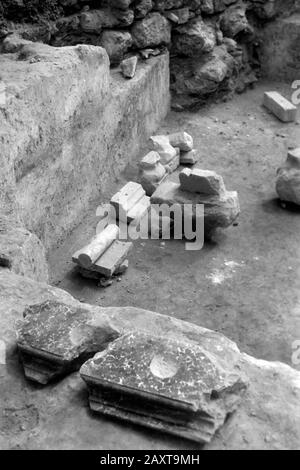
(213, 43)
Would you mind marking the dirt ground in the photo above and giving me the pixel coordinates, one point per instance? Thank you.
(246, 282)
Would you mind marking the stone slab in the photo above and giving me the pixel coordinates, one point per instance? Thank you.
(219, 211)
(88, 256)
(283, 109)
(201, 181)
(55, 338)
(111, 260)
(182, 140)
(161, 145)
(288, 178)
(164, 384)
(268, 417)
(125, 199)
(189, 158)
(151, 173)
(128, 196)
(173, 164)
(150, 160)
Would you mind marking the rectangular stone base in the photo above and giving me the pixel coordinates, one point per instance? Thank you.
(280, 107)
(109, 262)
(194, 431)
(279, 48)
(164, 384)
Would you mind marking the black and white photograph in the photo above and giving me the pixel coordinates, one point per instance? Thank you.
(149, 228)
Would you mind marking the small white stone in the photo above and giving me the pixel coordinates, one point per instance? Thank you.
(128, 67)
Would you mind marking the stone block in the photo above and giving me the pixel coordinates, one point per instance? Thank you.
(189, 158)
(275, 383)
(161, 144)
(178, 16)
(182, 140)
(163, 384)
(201, 181)
(125, 199)
(109, 262)
(113, 258)
(54, 339)
(116, 43)
(87, 256)
(288, 178)
(152, 172)
(280, 106)
(173, 164)
(153, 30)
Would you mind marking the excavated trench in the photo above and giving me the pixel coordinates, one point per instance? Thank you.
(73, 133)
(244, 283)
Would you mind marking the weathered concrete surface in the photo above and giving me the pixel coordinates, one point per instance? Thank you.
(20, 250)
(279, 52)
(69, 128)
(202, 181)
(268, 417)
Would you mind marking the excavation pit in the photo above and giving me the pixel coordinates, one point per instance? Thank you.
(74, 131)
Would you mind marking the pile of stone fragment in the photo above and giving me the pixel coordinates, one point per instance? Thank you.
(106, 255)
(288, 175)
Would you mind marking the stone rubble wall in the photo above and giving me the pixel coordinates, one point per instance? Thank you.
(213, 43)
(280, 49)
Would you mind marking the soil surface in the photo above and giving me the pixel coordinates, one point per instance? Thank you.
(245, 283)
